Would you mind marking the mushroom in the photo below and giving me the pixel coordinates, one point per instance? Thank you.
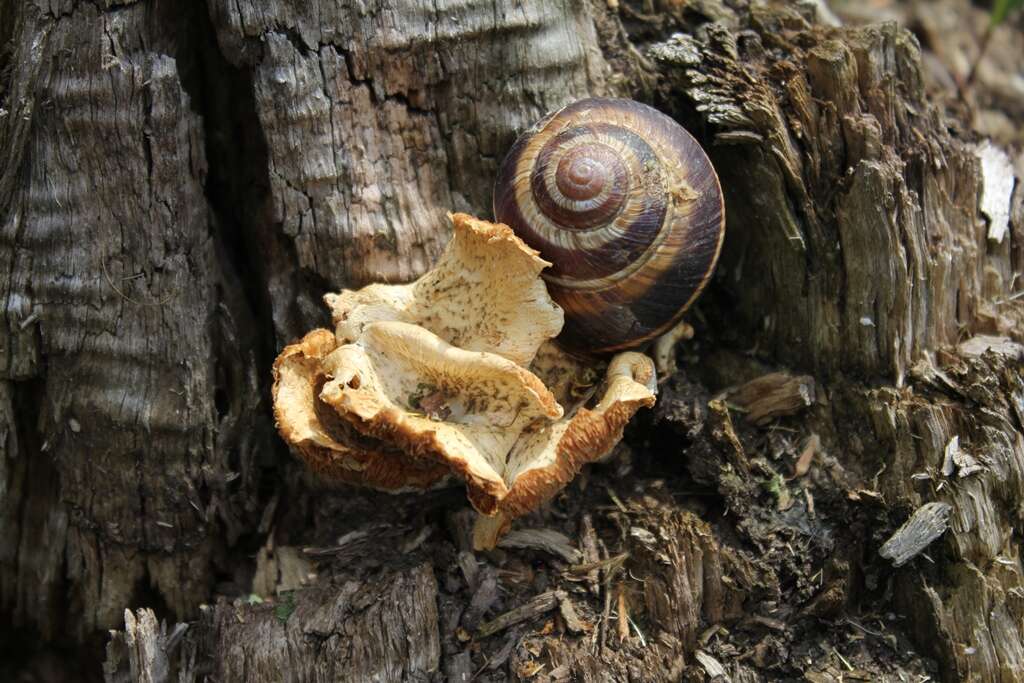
(455, 377)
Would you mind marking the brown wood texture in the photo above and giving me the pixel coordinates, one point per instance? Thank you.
(180, 183)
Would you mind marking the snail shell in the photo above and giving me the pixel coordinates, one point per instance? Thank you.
(628, 209)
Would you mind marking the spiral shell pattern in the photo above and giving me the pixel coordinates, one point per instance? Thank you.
(626, 206)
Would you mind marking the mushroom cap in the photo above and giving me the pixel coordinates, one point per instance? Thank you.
(334, 450)
(484, 294)
(454, 375)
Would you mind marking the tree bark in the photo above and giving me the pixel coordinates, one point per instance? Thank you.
(181, 183)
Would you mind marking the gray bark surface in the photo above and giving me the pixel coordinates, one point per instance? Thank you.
(180, 183)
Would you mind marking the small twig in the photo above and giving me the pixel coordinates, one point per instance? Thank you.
(609, 563)
(545, 602)
(865, 629)
(623, 616)
(615, 499)
(842, 659)
(590, 553)
(487, 660)
(639, 633)
(32, 317)
(605, 616)
(106, 275)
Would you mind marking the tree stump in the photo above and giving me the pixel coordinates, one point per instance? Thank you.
(829, 486)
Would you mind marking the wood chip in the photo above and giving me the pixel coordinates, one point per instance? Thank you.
(416, 541)
(571, 618)
(957, 460)
(459, 668)
(541, 604)
(483, 599)
(499, 658)
(588, 541)
(470, 568)
(608, 564)
(767, 622)
(803, 463)
(143, 651)
(560, 673)
(926, 524)
(545, 540)
(948, 467)
(644, 536)
(1000, 346)
(711, 666)
(623, 610)
(774, 395)
(997, 188)
(966, 464)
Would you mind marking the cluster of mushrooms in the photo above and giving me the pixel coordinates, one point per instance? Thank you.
(504, 367)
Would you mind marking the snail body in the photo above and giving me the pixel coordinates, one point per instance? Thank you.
(626, 206)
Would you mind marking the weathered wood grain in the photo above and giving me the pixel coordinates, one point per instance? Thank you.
(181, 182)
(118, 335)
(848, 198)
(858, 214)
(379, 118)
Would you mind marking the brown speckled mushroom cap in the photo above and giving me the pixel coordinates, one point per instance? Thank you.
(442, 378)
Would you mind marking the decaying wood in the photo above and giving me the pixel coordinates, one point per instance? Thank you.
(924, 526)
(379, 120)
(339, 142)
(545, 602)
(572, 620)
(180, 183)
(774, 395)
(548, 540)
(124, 323)
(148, 647)
(384, 629)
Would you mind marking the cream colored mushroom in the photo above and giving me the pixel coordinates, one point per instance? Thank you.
(484, 294)
(432, 380)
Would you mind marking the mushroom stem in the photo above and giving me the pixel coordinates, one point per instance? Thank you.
(488, 529)
(665, 349)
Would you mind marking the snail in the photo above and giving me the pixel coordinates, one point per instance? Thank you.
(626, 206)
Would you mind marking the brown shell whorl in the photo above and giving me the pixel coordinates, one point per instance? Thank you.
(627, 207)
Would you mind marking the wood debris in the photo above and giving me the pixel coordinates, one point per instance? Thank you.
(569, 615)
(459, 668)
(957, 461)
(417, 540)
(590, 553)
(644, 536)
(777, 394)
(541, 604)
(470, 568)
(609, 565)
(143, 651)
(483, 599)
(803, 463)
(560, 673)
(711, 666)
(279, 570)
(623, 610)
(952, 447)
(546, 540)
(983, 343)
(997, 188)
(926, 524)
